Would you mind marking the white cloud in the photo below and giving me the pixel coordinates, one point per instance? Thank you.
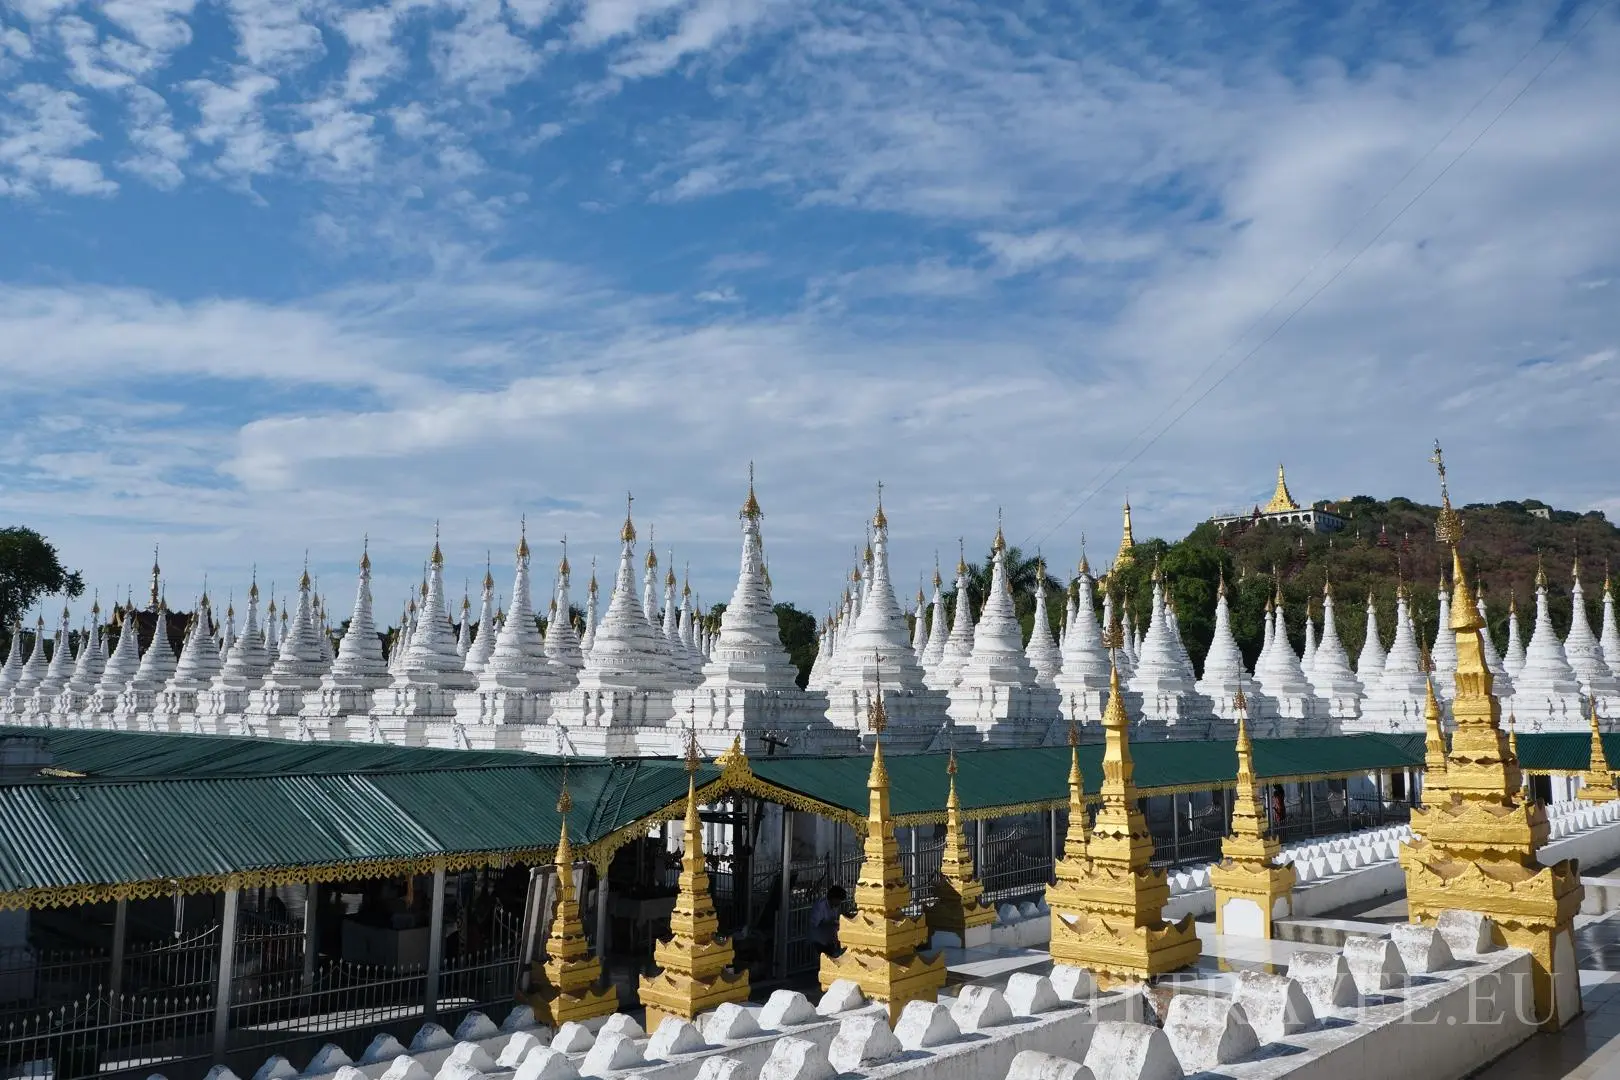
(39, 131)
(233, 120)
(338, 141)
(158, 147)
(996, 254)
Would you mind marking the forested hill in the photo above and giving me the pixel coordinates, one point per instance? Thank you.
(1382, 543)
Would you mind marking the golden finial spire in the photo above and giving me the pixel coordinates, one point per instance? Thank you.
(437, 558)
(880, 520)
(1000, 542)
(652, 548)
(961, 557)
(1541, 571)
(1085, 567)
(750, 509)
(627, 535)
(365, 553)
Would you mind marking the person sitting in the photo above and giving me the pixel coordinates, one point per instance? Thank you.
(824, 915)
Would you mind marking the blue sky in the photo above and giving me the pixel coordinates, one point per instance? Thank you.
(276, 275)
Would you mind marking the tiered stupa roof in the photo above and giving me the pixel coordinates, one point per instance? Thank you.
(749, 653)
(1583, 649)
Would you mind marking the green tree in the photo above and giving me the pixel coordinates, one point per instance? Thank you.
(798, 630)
(30, 569)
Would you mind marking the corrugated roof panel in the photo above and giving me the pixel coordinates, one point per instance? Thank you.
(34, 853)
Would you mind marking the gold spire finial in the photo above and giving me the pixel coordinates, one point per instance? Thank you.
(1541, 571)
(961, 557)
(627, 535)
(1000, 543)
(938, 581)
(365, 552)
(652, 547)
(750, 509)
(692, 758)
(877, 717)
(1448, 527)
(1085, 567)
(880, 520)
(565, 801)
(950, 763)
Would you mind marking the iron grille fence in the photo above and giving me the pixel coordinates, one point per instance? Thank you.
(105, 1034)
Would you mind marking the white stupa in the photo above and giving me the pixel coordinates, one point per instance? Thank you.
(1546, 691)
(1224, 674)
(516, 684)
(959, 643)
(1585, 652)
(995, 694)
(358, 671)
(1330, 675)
(1042, 650)
(875, 657)
(1082, 680)
(481, 643)
(1396, 703)
(1170, 702)
(1513, 659)
(296, 671)
(431, 671)
(1370, 663)
(246, 665)
(562, 642)
(1443, 656)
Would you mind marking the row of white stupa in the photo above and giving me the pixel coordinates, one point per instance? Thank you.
(638, 678)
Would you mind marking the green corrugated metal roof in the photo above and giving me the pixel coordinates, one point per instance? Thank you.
(987, 779)
(154, 808)
(131, 754)
(1563, 752)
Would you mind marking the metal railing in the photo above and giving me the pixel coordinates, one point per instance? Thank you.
(103, 1034)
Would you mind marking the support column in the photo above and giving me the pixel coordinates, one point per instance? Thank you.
(1175, 832)
(602, 918)
(785, 894)
(1052, 843)
(226, 975)
(430, 999)
(978, 849)
(312, 938)
(115, 977)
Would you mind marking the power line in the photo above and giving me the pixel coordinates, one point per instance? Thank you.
(1095, 486)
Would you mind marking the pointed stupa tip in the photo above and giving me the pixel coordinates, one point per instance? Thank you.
(1000, 542)
(1541, 572)
(652, 550)
(961, 557)
(365, 553)
(564, 570)
(627, 535)
(750, 507)
(880, 520)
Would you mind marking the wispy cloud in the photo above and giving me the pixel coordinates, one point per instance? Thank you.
(982, 252)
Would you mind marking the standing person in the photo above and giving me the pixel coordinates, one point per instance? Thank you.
(1278, 808)
(824, 915)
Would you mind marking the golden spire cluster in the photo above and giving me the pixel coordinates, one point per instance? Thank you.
(1249, 884)
(694, 963)
(1108, 918)
(1476, 849)
(565, 986)
(880, 942)
(960, 908)
(1597, 782)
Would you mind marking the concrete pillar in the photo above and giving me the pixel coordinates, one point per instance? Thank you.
(227, 973)
(1175, 831)
(312, 939)
(430, 996)
(785, 898)
(602, 916)
(120, 928)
